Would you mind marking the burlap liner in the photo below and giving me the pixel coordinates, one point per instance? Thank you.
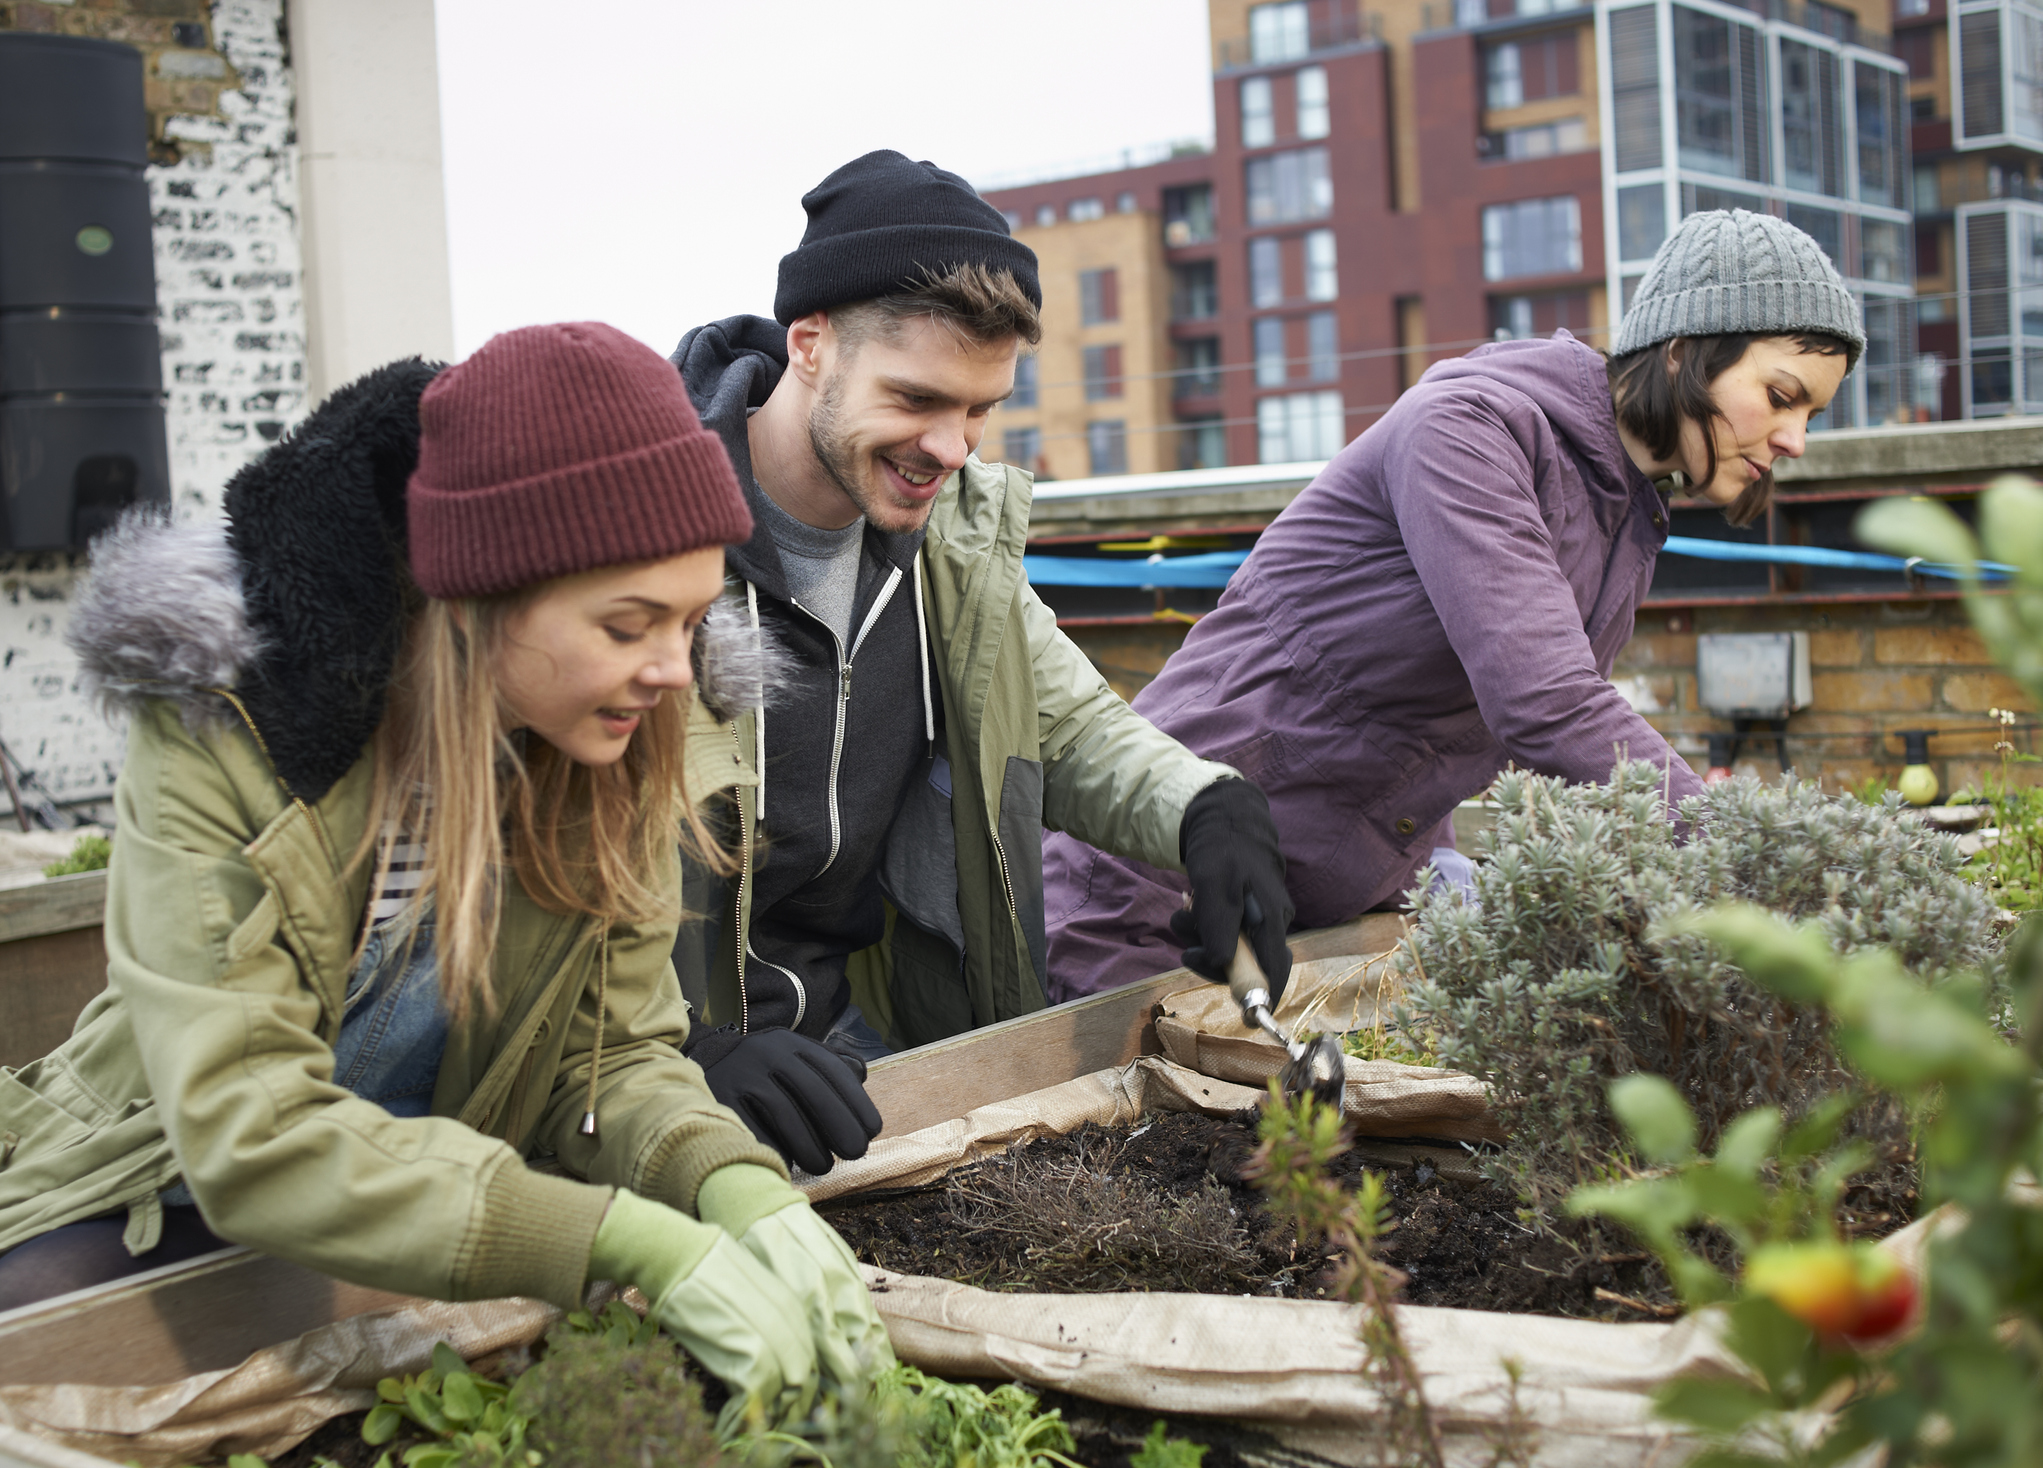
(1200, 1028)
(1291, 1367)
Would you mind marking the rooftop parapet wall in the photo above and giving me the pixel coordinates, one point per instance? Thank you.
(1879, 666)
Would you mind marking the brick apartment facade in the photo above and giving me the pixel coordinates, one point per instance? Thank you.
(1391, 187)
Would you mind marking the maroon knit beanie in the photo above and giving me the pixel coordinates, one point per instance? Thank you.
(557, 449)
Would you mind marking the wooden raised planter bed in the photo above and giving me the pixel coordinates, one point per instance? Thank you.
(209, 1313)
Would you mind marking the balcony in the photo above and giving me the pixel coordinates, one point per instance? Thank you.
(1297, 29)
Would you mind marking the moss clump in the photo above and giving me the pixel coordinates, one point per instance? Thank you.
(92, 853)
(598, 1401)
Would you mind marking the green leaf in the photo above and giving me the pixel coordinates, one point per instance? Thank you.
(425, 1410)
(1656, 1208)
(381, 1425)
(1749, 1141)
(1159, 1450)
(1814, 1133)
(461, 1401)
(1917, 527)
(1794, 962)
(1715, 1405)
(2011, 522)
(390, 1389)
(447, 1361)
(247, 1460)
(1769, 1340)
(1653, 1113)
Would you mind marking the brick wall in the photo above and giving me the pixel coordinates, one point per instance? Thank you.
(1876, 668)
(225, 199)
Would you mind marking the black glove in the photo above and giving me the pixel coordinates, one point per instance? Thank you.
(1229, 846)
(798, 1098)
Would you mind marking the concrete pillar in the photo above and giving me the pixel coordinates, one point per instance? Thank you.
(375, 217)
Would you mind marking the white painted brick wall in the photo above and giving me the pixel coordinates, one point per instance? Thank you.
(232, 319)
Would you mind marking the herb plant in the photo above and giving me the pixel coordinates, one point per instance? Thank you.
(1566, 970)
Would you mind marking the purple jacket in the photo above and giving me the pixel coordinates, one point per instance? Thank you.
(1447, 596)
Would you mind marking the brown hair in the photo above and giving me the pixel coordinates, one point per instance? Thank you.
(1652, 402)
(450, 775)
(976, 303)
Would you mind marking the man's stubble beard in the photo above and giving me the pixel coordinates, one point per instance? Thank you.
(842, 463)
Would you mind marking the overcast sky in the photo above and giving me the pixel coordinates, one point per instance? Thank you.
(642, 162)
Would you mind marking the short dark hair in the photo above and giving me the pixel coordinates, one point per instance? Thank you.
(980, 303)
(1651, 402)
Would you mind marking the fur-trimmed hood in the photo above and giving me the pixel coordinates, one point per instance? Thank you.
(297, 601)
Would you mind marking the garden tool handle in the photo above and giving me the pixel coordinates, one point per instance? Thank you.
(1246, 981)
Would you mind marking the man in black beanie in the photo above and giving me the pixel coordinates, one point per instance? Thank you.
(890, 802)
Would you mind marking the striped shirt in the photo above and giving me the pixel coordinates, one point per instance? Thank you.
(400, 884)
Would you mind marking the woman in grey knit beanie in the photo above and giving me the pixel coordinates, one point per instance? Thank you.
(1450, 593)
(1740, 331)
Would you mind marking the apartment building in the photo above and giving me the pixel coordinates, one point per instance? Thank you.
(1975, 100)
(1390, 187)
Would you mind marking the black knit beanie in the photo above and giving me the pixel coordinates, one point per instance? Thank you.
(878, 222)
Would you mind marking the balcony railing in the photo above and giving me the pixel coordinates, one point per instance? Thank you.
(1330, 25)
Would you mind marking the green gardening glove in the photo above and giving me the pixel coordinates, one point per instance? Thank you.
(778, 1227)
(734, 1317)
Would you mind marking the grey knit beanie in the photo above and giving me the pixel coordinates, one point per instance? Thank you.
(1732, 271)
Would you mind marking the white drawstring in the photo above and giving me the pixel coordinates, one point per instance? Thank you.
(758, 720)
(922, 651)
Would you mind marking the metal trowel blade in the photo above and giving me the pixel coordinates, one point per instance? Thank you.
(1320, 1071)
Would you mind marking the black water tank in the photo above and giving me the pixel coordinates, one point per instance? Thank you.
(81, 400)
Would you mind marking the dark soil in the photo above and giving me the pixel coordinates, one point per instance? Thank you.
(1459, 1242)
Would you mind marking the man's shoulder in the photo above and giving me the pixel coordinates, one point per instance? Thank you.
(982, 509)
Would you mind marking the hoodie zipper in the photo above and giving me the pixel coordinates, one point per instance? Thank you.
(744, 880)
(844, 662)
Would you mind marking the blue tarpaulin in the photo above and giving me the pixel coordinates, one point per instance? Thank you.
(1212, 569)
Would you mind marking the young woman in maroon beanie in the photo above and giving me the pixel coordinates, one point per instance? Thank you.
(394, 879)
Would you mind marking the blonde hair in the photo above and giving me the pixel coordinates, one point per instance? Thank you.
(451, 774)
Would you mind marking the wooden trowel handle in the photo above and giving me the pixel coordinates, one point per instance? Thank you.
(1245, 976)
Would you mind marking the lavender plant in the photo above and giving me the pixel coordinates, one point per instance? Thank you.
(1566, 971)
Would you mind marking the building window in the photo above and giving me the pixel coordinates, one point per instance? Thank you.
(1826, 227)
(1306, 425)
(1193, 296)
(1909, 8)
(1198, 368)
(1079, 211)
(1266, 272)
(1258, 113)
(1124, 202)
(1635, 87)
(1641, 221)
(1532, 237)
(1322, 347)
(1013, 218)
(1541, 140)
(1099, 296)
(1106, 444)
(1321, 281)
(1279, 32)
(1024, 394)
(1517, 72)
(1883, 254)
(1812, 125)
(1202, 443)
(1503, 83)
(1917, 48)
(1876, 107)
(1046, 215)
(1288, 186)
(1021, 447)
(1720, 95)
(1270, 363)
(1315, 113)
(1188, 215)
(1102, 372)
(1471, 13)
(1928, 197)
(1518, 317)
